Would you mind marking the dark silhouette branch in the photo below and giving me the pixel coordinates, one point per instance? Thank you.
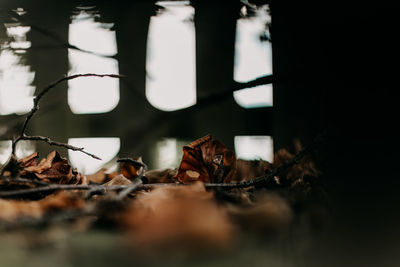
(61, 42)
(267, 79)
(35, 108)
(54, 143)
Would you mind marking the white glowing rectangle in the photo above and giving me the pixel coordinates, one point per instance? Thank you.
(103, 147)
(23, 149)
(171, 65)
(254, 147)
(168, 153)
(253, 58)
(92, 95)
(16, 92)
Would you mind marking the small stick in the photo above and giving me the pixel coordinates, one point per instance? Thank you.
(54, 143)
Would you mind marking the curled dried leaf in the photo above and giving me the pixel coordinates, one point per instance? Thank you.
(131, 168)
(206, 160)
(52, 169)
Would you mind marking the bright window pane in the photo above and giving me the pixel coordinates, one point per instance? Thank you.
(16, 92)
(171, 70)
(253, 58)
(23, 149)
(254, 147)
(92, 95)
(168, 153)
(105, 148)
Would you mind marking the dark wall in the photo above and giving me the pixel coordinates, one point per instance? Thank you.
(336, 66)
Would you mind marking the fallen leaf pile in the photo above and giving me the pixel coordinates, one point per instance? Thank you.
(166, 209)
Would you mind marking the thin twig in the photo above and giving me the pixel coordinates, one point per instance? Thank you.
(56, 37)
(54, 143)
(19, 180)
(129, 189)
(267, 79)
(37, 99)
(55, 187)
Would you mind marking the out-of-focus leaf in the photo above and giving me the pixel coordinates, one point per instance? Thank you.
(206, 160)
(13, 209)
(177, 216)
(250, 169)
(118, 180)
(161, 176)
(295, 174)
(270, 214)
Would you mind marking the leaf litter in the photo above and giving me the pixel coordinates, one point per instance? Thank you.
(206, 203)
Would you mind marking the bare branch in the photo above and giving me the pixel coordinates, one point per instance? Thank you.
(267, 79)
(36, 107)
(56, 37)
(54, 143)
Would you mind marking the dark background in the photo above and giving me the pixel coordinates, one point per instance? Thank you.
(336, 68)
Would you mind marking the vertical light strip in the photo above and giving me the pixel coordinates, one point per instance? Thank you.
(92, 95)
(253, 57)
(16, 92)
(171, 65)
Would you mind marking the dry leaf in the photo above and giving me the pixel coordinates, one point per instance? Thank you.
(250, 169)
(118, 180)
(171, 216)
(161, 176)
(295, 174)
(130, 170)
(53, 169)
(269, 215)
(11, 210)
(206, 160)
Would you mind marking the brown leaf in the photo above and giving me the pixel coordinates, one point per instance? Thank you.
(129, 170)
(206, 160)
(29, 161)
(11, 210)
(250, 169)
(270, 214)
(53, 169)
(118, 180)
(305, 168)
(161, 176)
(172, 216)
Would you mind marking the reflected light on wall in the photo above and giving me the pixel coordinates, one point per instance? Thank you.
(105, 148)
(253, 58)
(23, 149)
(170, 66)
(92, 95)
(254, 147)
(16, 92)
